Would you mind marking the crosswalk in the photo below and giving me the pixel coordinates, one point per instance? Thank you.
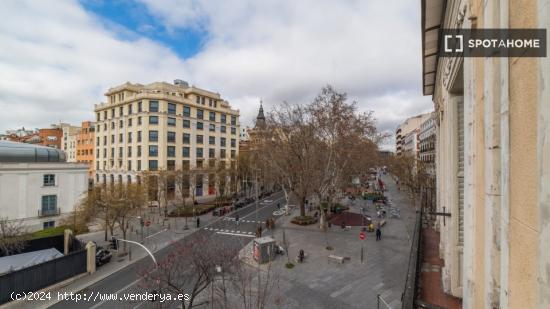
(247, 221)
(230, 232)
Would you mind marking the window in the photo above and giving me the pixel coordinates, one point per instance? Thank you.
(222, 153)
(49, 205)
(139, 136)
(171, 137)
(120, 111)
(130, 109)
(202, 100)
(199, 126)
(153, 136)
(211, 153)
(104, 115)
(171, 109)
(129, 165)
(105, 127)
(98, 117)
(187, 111)
(48, 224)
(233, 130)
(199, 152)
(186, 123)
(233, 154)
(140, 107)
(185, 165)
(139, 151)
(49, 180)
(105, 152)
(171, 121)
(171, 165)
(129, 137)
(129, 151)
(233, 143)
(198, 101)
(186, 138)
(185, 152)
(139, 165)
(223, 118)
(153, 106)
(212, 140)
(200, 114)
(153, 119)
(113, 113)
(121, 124)
(199, 165)
(212, 115)
(112, 152)
(212, 127)
(120, 138)
(112, 138)
(223, 129)
(233, 120)
(153, 165)
(199, 139)
(139, 120)
(153, 150)
(120, 152)
(171, 151)
(222, 142)
(112, 125)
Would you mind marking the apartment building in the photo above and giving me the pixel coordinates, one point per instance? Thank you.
(406, 127)
(162, 126)
(37, 186)
(85, 145)
(492, 157)
(68, 143)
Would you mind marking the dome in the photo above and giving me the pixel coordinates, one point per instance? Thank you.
(21, 152)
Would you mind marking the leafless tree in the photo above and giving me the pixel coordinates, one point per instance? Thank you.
(13, 236)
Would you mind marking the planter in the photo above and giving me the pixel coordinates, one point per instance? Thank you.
(304, 220)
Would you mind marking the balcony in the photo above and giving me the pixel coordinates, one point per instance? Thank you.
(49, 212)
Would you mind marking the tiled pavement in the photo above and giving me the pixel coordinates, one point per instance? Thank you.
(431, 286)
(320, 283)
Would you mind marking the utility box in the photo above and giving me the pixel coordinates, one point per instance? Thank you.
(263, 249)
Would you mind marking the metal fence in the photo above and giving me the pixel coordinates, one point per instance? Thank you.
(410, 293)
(39, 276)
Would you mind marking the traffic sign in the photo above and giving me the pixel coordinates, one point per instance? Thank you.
(362, 235)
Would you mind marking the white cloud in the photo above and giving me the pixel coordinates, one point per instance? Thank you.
(57, 60)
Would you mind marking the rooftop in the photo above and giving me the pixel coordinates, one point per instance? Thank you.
(21, 152)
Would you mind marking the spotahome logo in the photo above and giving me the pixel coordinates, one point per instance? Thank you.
(493, 43)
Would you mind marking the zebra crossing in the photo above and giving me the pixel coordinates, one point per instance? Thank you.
(241, 220)
(230, 232)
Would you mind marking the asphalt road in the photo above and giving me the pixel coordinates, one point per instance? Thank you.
(127, 280)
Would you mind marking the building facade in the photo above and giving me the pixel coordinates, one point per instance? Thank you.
(163, 126)
(85, 140)
(37, 186)
(68, 143)
(405, 128)
(492, 157)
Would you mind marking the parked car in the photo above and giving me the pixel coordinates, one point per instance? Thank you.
(102, 256)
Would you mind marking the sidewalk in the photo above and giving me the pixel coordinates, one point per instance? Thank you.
(159, 236)
(321, 282)
(431, 290)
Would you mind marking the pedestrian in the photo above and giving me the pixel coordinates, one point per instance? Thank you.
(279, 206)
(301, 256)
(378, 234)
(198, 222)
(237, 219)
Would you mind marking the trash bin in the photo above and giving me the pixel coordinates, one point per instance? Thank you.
(263, 249)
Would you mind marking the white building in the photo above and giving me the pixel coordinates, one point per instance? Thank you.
(68, 143)
(37, 186)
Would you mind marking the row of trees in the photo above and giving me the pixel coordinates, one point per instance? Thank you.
(318, 148)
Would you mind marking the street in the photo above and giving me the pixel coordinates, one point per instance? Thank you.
(224, 230)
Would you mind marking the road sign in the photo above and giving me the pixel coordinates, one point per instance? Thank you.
(147, 223)
(362, 235)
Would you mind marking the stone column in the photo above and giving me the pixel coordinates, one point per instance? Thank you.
(90, 257)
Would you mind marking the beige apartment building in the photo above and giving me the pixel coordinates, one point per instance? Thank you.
(405, 128)
(162, 126)
(492, 157)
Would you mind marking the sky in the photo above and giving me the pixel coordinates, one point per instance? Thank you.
(59, 57)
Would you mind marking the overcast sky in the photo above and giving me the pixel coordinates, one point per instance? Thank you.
(58, 57)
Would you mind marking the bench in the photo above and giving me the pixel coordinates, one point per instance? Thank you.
(339, 259)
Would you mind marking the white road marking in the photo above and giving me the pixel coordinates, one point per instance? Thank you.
(157, 233)
(235, 234)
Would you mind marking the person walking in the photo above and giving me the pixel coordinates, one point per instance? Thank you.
(279, 206)
(237, 219)
(198, 222)
(378, 234)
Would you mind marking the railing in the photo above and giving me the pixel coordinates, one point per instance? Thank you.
(410, 292)
(49, 212)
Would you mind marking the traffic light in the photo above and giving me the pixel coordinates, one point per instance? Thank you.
(114, 243)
